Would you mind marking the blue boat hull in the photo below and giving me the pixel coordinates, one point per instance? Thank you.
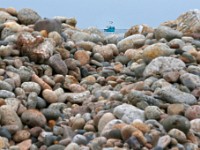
(110, 29)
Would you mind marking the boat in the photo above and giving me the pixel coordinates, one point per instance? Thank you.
(110, 28)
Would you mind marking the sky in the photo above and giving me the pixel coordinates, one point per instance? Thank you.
(98, 13)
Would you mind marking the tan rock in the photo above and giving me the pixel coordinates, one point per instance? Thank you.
(50, 96)
(82, 56)
(25, 145)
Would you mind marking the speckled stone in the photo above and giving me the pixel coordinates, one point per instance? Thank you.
(178, 135)
(33, 117)
(153, 112)
(128, 113)
(21, 136)
(78, 123)
(177, 122)
(9, 117)
(176, 109)
(193, 112)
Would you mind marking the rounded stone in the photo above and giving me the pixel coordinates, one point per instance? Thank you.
(156, 50)
(72, 146)
(78, 123)
(32, 117)
(107, 117)
(56, 147)
(178, 135)
(80, 139)
(5, 133)
(193, 112)
(51, 113)
(153, 112)
(56, 37)
(82, 56)
(195, 125)
(29, 87)
(177, 122)
(21, 135)
(28, 16)
(9, 116)
(50, 96)
(176, 109)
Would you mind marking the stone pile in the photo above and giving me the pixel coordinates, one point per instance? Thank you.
(63, 88)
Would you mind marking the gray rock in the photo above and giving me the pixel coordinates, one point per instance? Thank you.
(81, 36)
(9, 117)
(131, 42)
(51, 113)
(108, 127)
(28, 16)
(49, 25)
(136, 96)
(161, 65)
(56, 147)
(174, 95)
(58, 64)
(128, 113)
(177, 122)
(156, 50)
(167, 33)
(113, 38)
(72, 146)
(5, 133)
(153, 112)
(177, 43)
(190, 80)
(5, 86)
(194, 70)
(32, 100)
(6, 32)
(80, 139)
(75, 97)
(29, 87)
(6, 94)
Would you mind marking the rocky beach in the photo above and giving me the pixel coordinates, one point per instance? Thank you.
(65, 88)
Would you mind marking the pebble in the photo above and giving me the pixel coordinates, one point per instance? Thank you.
(9, 117)
(56, 147)
(78, 123)
(176, 109)
(33, 117)
(178, 135)
(193, 112)
(80, 139)
(153, 112)
(128, 113)
(51, 113)
(72, 146)
(174, 95)
(21, 136)
(176, 121)
(156, 50)
(29, 87)
(5, 133)
(50, 96)
(107, 117)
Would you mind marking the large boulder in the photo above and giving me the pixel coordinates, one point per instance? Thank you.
(28, 16)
